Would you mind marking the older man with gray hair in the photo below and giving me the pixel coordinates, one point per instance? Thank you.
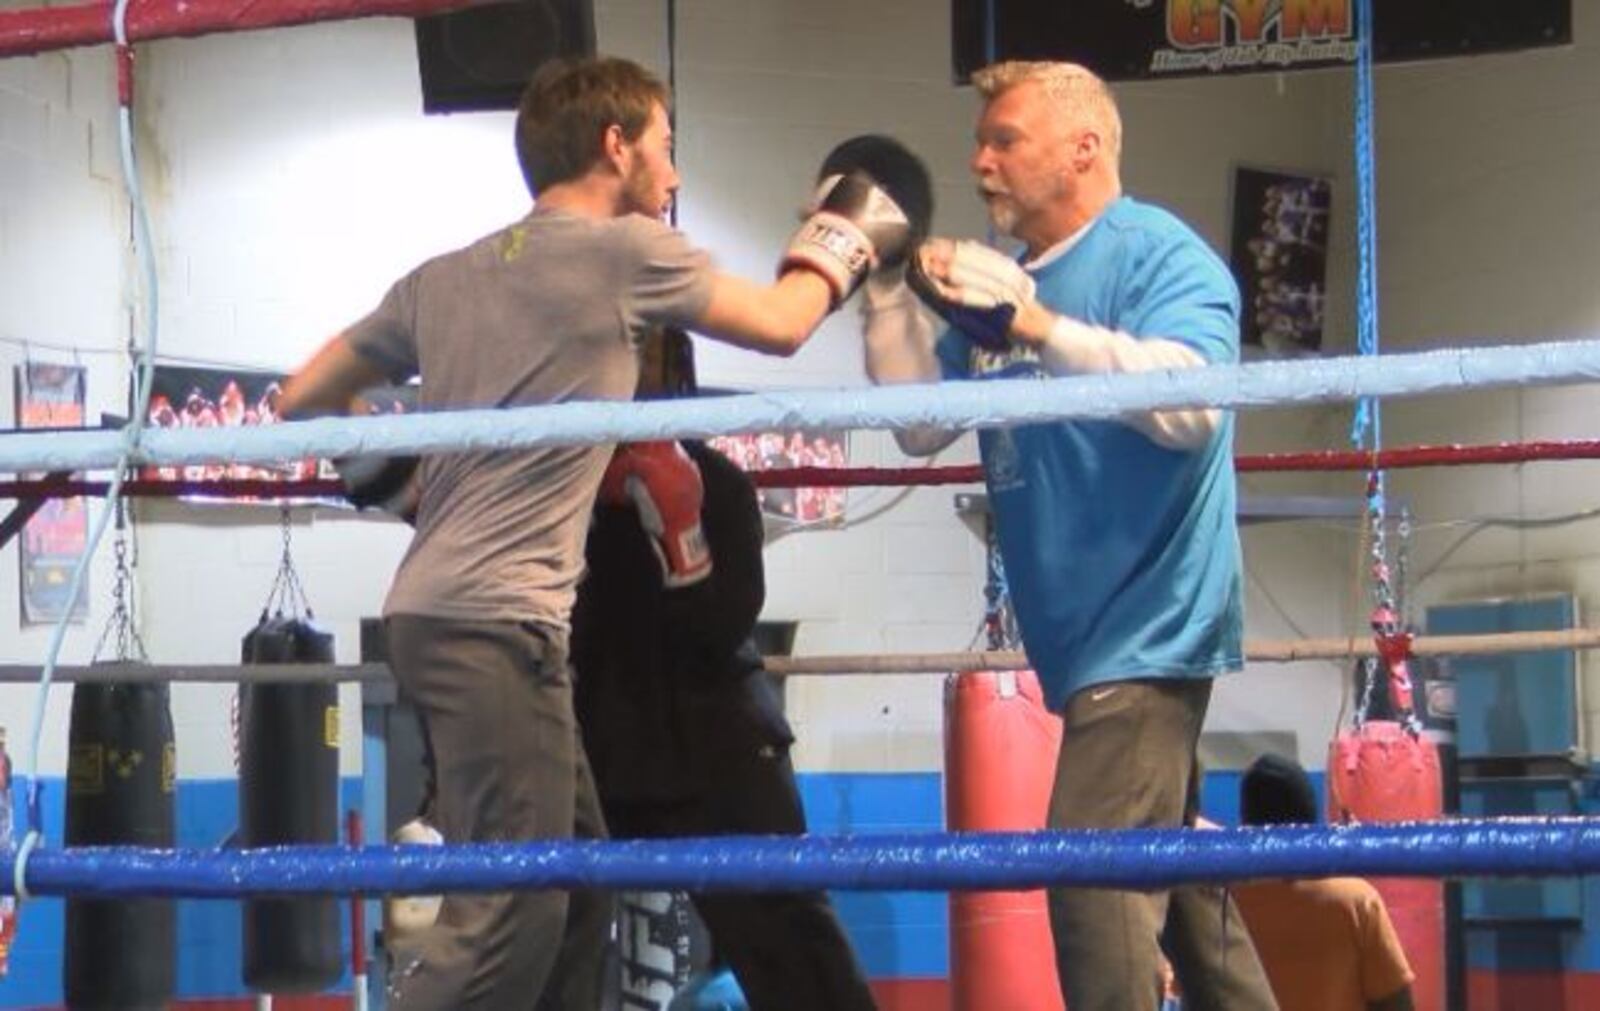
(1118, 537)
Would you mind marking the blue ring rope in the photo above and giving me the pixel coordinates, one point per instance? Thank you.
(1141, 858)
(951, 405)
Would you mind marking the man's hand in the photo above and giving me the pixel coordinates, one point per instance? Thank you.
(873, 204)
(381, 482)
(981, 292)
(329, 383)
(855, 227)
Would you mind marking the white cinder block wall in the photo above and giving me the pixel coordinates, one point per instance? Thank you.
(63, 228)
(1490, 232)
(291, 176)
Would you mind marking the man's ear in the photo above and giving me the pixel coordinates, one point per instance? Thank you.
(1085, 149)
(614, 148)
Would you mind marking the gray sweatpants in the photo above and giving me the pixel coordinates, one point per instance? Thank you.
(496, 699)
(1127, 760)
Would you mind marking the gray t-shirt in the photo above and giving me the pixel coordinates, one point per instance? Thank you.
(549, 309)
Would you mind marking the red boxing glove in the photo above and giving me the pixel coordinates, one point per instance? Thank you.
(661, 481)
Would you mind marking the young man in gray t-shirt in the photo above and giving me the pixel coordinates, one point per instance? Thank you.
(551, 308)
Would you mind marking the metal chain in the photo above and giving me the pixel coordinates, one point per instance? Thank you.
(999, 617)
(287, 590)
(1402, 567)
(129, 645)
(1386, 620)
(1369, 681)
(1378, 569)
(1382, 585)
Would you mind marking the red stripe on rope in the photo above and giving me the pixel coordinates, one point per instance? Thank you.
(144, 488)
(1407, 457)
(1402, 458)
(880, 477)
(41, 29)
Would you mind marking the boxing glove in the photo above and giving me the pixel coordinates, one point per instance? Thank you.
(854, 227)
(975, 289)
(663, 484)
(407, 914)
(381, 482)
(895, 169)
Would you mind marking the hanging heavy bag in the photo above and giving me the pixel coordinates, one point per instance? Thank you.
(288, 795)
(1378, 772)
(121, 768)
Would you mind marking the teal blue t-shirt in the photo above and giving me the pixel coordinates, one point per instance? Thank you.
(1122, 556)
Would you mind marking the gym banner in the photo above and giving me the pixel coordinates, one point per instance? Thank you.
(1142, 39)
(190, 397)
(51, 396)
(193, 397)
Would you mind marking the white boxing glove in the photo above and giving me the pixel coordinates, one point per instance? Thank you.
(975, 289)
(407, 914)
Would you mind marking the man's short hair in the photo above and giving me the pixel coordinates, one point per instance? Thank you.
(1076, 94)
(1276, 791)
(567, 107)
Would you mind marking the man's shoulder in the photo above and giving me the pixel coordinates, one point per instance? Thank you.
(1353, 894)
(1150, 227)
(1152, 240)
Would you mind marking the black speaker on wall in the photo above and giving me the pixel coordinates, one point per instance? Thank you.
(480, 58)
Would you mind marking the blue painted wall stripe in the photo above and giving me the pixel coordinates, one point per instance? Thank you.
(897, 935)
(210, 949)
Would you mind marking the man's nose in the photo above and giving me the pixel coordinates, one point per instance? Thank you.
(982, 161)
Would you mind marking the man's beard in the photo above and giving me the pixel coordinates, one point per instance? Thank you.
(1003, 213)
(641, 196)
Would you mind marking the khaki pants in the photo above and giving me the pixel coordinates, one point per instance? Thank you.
(1127, 760)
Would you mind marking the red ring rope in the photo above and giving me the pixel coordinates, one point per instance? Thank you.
(824, 477)
(41, 29)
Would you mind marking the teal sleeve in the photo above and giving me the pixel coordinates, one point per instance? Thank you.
(1182, 292)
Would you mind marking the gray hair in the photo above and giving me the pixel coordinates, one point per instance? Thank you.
(1076, 95)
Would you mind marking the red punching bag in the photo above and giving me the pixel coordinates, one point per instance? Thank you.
(1000, 748)
(1382, 772)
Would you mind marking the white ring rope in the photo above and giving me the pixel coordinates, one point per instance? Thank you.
(949, 405)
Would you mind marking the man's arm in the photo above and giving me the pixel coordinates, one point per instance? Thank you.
(969, 280)
(1068, 347)
(329, 382)
(854, 225)
(775, 319)
(899, 338)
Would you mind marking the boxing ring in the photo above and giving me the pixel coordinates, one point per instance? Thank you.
(922, 861)
(1126, 858)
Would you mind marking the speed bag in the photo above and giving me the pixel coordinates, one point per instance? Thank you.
(121, 776)
(1380, 772)
(288, 796)
(1000, 750)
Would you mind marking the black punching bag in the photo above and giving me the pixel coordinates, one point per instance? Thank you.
(288, 795)
(121, 770)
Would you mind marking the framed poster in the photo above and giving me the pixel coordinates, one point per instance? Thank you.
(791, 508)
(1279, 254)
(195, 397)
(53, 541)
